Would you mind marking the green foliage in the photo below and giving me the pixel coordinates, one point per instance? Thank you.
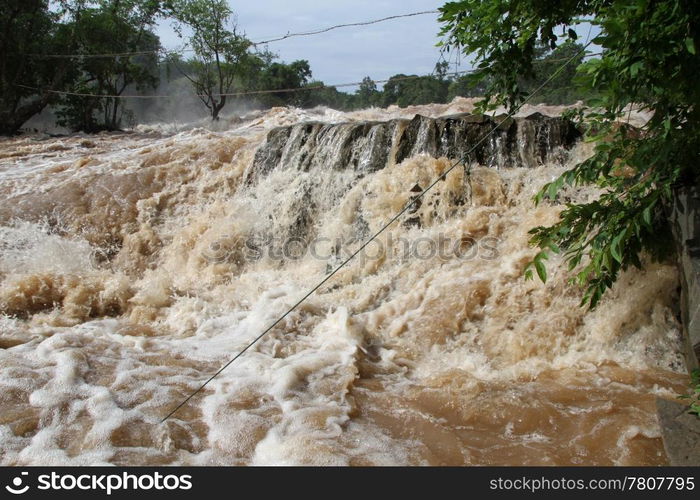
(367, 94)
(115, 26)
(649, 61)
(694, 396)
(504, 36)
(469, 85)
(28, 27)
(327, 96)
(33, 32)
(280, 76)
(419, 90)
(561, 89)
(562, 86)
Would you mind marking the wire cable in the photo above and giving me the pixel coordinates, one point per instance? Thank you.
(380, 231)
(236, 94)
(262, 42)
(363, 23)
(267, 91)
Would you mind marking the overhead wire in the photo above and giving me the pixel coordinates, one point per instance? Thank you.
(238, 94)
(265, 91)
(261, 42)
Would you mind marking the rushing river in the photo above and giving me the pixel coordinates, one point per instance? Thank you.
(134, 265)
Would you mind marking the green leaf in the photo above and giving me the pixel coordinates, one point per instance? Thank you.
(690, 45)
(615, 246)
(553, 247)
(646, 214)
(541, 270)
(634, 69)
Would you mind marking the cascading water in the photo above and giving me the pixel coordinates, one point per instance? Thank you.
(132, 266)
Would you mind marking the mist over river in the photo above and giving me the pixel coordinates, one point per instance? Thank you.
(134, 265)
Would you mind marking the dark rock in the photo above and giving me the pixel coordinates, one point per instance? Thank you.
(680, 431)
(684, 219)
(367, 146)
(268, 157)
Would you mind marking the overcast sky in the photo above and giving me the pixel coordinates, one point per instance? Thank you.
(380, 50)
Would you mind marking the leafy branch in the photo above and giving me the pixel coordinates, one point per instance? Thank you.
(648, 60)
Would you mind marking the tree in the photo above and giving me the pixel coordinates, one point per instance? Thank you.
(221, 53)
(409, 90)
(280, 76)
(111, 27)
(649, 58)
(367, 94)
(326, 96)
(28, 31)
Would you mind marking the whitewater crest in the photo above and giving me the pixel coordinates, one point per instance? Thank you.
(133, 265)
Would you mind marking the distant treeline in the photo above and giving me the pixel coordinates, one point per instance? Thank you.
(109, 48)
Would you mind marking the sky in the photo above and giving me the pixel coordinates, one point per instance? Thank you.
(343, 55)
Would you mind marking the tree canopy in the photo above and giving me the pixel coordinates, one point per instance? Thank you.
(27, 27)
(111, 26)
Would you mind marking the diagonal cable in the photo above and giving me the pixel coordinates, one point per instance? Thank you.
(380, 231)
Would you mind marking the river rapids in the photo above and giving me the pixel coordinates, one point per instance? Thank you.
(134, 265)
